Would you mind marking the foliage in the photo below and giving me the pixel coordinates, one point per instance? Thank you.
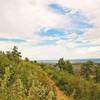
(38, 91)
(97, 74)
(27, 80)
(86, 69)
(15, 55)
(65, 65)
(74, 86)
(61, 63)
(69, 67)
(17, 91)
(21, 79)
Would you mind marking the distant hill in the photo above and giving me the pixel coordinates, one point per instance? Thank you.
(96, 60)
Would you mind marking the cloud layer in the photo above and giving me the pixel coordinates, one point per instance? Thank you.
(51, 29)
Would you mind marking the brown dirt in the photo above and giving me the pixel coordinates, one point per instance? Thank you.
(59, 94)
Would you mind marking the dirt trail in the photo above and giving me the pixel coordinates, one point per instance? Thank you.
(59, 94)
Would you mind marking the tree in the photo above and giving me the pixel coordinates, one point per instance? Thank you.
(69, 67)
(15, 52)
(15, 55)
(86, 69)
(26, 59)
(65, 65)
(61, 64)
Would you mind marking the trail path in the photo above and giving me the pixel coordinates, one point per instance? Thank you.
(59, 94)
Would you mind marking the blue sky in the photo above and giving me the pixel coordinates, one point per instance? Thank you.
(51, 29)
(17, 40)
(58, 9)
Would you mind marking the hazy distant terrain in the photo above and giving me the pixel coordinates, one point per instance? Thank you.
(96, 60)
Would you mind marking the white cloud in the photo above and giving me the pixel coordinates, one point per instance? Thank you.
(25, 18)
(92, 37)
(91, 8)
(36, 39)
(67, 44)
(53, 51)
(90, 52)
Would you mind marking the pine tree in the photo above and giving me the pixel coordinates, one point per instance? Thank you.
(16, 55)
(61, 64)
(69, 67)
(86, 69)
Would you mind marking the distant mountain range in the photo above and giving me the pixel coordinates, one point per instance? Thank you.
(96, 60)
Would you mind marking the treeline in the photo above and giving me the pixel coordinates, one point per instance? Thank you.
(88, 70)
(23, 79)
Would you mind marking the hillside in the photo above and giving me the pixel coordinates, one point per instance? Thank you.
(25, 80)
(22, 79)
(73, 85)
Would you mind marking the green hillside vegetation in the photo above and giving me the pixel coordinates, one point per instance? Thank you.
(22, 79)
(84, 85)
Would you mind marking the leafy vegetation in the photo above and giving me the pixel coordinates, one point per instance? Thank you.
(79, 87)
(28, 80)
(22, 79)
(65, 65)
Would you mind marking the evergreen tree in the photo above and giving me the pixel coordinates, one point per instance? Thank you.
(16, 54)
(69, 67)
(61, 64)
(65, 65)
(86, 69)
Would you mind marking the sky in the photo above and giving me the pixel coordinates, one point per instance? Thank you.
(51, 29)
